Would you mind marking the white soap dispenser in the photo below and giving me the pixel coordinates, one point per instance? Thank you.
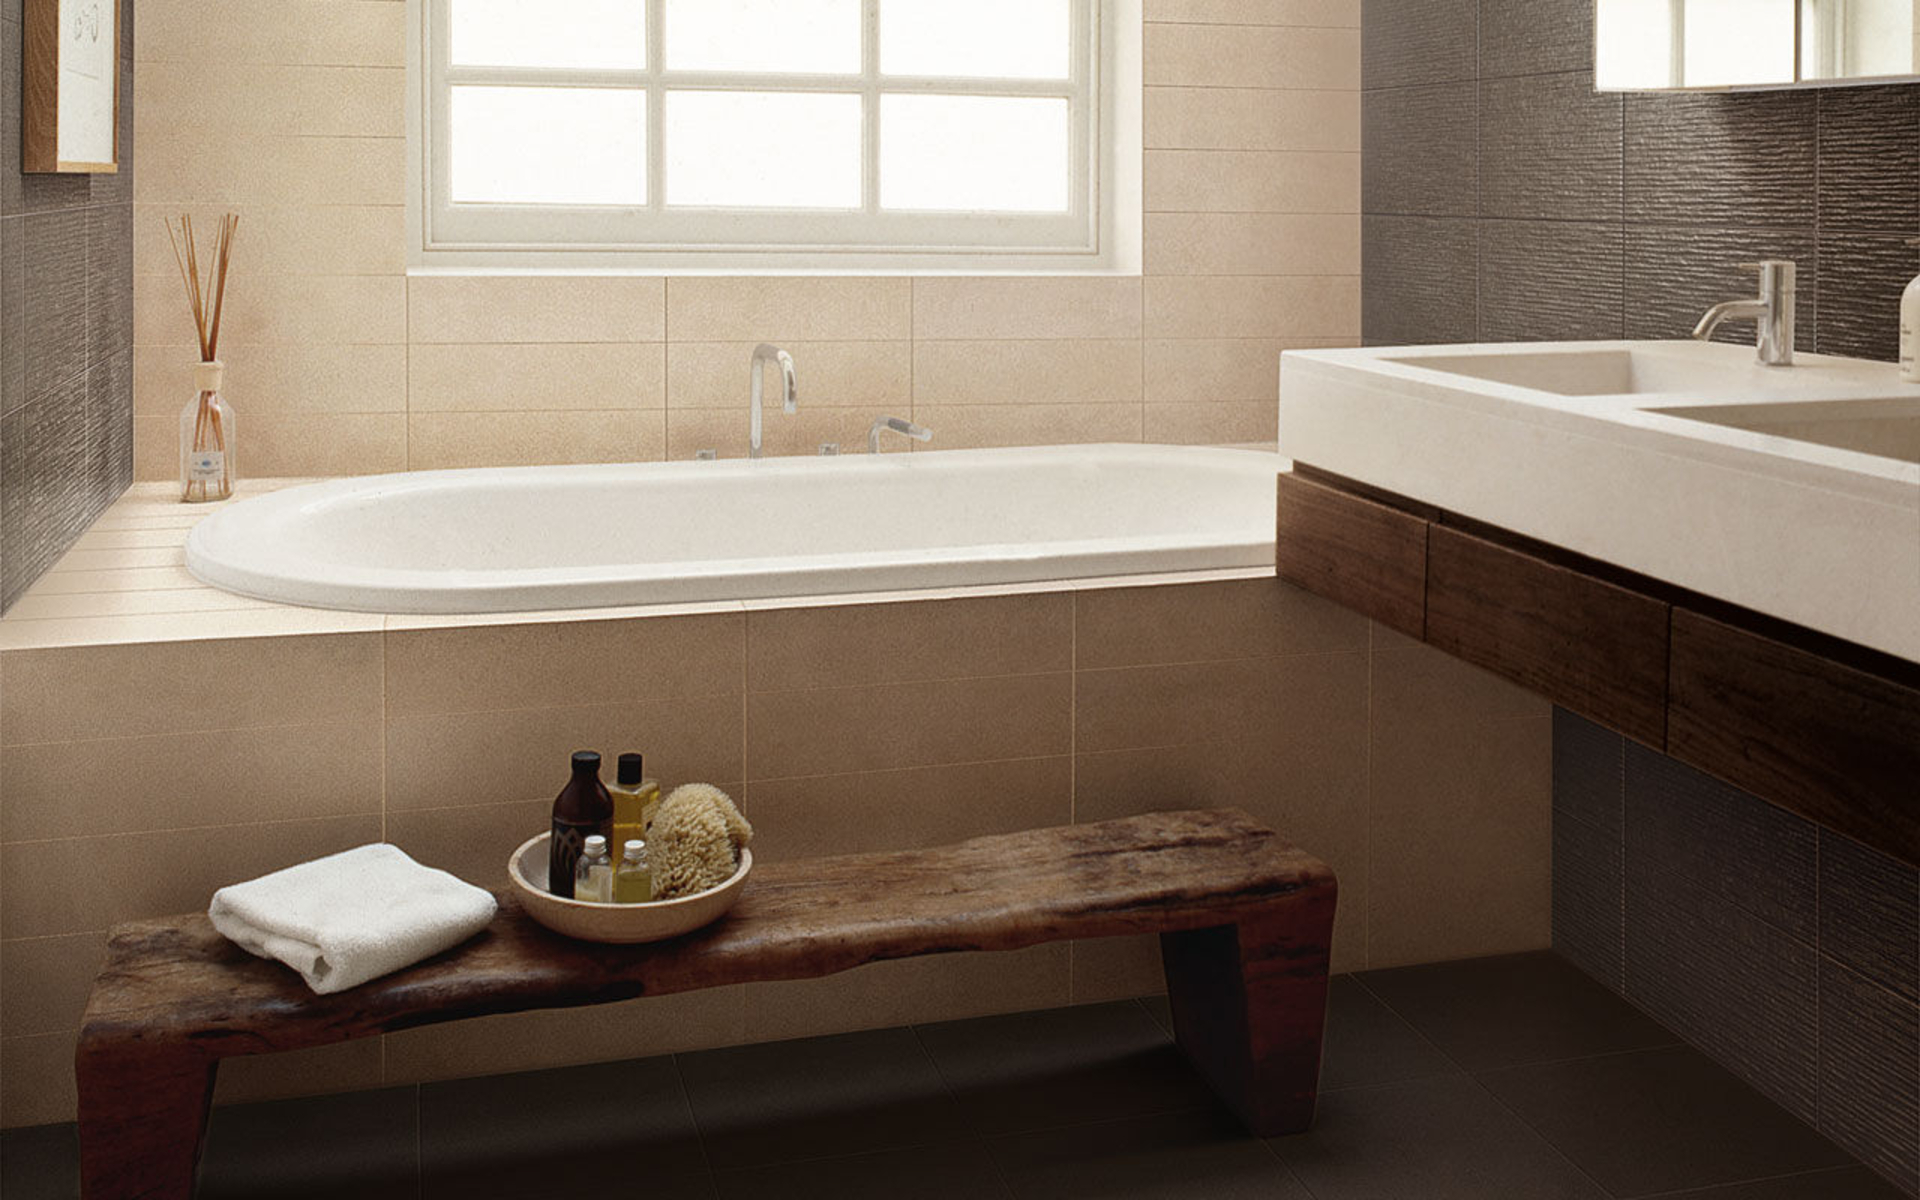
(1910, 328)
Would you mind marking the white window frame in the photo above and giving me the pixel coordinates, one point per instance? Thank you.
(1101, 234)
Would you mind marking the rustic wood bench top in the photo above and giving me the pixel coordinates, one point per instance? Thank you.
(1248, 919)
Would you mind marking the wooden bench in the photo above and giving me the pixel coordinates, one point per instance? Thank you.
(1245, 922)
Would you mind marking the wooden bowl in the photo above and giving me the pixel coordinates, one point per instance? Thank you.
(623, 924)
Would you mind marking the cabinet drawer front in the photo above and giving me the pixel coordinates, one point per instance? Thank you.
(1587, 645)
(1367, 556)
(1834, 744)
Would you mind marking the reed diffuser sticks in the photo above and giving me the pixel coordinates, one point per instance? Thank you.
(206, 456)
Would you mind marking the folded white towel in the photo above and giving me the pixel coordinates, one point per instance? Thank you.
(352, 916)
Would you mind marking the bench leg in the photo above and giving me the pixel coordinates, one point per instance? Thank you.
(1249, 1005)
(143, 1119)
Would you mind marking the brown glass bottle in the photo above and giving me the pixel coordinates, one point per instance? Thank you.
(582, 809)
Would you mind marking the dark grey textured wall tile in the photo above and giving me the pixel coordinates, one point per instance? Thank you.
(1549, 148)
(1405, 42)
(1861, 278)
(1421, 280)
(56, 298)
(1423, 147)
(12, 199)
(109, 281)
(1675, 275)
(1532, 37)
(1543, 281)
(109, 429)
(1870, 1073)
(1761, 859)
(1589, 772)
(13, 313)
(1870, 159)
(13, 501)
(1870, 914)
(1743, 161)
(1589, 899)
(48, 486)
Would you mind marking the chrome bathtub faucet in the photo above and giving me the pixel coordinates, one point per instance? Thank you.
(1771, 312)
(789, 390)
(895, 425)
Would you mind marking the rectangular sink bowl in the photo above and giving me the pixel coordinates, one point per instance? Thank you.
(1883, 428)
(1614, 372)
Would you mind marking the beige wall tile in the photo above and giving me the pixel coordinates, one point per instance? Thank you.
(1252, 181)
(1253, 618)
(538, 377)
(36, 1079)
(45, 982)
(1258, 12)
(320, 1071)
(306, 310)
(1223, 306)
(942, 987)
(691, 430)
(1216, 370)
(472, 843)
(562, 664)
(1118, 968)
(1252, 56)
(911, 809)
(447, 440)
(830, 731)
(1013, 307)
(1208, 118)
(177, 687)
(1026, 372)
(276, 379)
(183, 780)
(216, 99)
(322, 32)
(1175, 704)
(702, 309)
(277, 445)
(535, 308)
(859, 375)
(1412, 680)
(51, 888)
(562, 1037)
(1212, 424)
(346, 239)
(970, 426)
(843, 645)
(446, 760)
(1252, 244)
(264, 168)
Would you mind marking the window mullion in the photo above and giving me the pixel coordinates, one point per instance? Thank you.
(870, 106)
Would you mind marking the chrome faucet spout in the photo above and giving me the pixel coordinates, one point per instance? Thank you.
(1729, 310)
(789, 391)
(918, 433)
(1771, 313)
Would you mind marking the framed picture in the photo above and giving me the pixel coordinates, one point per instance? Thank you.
(70, 98)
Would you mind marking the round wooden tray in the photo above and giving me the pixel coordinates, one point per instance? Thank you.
(624, 924)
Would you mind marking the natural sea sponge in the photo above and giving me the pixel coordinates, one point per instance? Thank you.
(695, 840)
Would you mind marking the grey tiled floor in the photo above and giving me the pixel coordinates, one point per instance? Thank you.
(1501, 1079)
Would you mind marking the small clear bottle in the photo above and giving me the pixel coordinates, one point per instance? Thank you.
(593, 876)
(633, 880)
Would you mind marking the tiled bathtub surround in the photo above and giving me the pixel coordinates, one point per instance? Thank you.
(843, 728)
(1787, 952)
(1505, 200)
(293, 112)
(66, 336)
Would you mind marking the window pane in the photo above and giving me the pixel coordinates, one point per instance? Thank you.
(811, 36)
(763, 149)
(973, 153)
(551, 33)
(989, 39)
(536, 145)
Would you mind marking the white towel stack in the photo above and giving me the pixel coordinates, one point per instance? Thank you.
(352, 916)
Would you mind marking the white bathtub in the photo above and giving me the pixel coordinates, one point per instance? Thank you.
(534, 538)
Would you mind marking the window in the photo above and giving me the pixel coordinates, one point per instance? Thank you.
(748, 134)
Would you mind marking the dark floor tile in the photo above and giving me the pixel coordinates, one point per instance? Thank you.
(361, 1144)
(1847, 1183)
(1434, 1139)
(40, 1163)
(1659, 1121)
(961, 1171)
(563, 1132)
(1367, 1043)
(1161, 1010)
(1521, 1008)
(849, 1094)
(1198, 1155)
(1028, 1071)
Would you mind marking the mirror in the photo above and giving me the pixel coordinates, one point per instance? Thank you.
(1661, 45)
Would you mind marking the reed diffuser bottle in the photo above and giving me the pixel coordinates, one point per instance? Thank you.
(208, 458)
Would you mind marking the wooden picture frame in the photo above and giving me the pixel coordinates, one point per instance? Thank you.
(70, 93)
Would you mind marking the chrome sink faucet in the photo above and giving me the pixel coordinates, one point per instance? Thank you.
(918, 433)
(1771, 312)
(789, 390)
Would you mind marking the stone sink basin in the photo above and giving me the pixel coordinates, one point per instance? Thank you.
(1793, 491)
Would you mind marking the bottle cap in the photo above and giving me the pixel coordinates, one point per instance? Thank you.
(635, 847)
(632, 768)
(585, 760)
(596, 844)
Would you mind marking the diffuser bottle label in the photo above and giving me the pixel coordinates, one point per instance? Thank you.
(205, 466)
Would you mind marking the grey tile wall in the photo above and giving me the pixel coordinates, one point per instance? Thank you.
(66, 336)
(1789, 953)
(1485, 113)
